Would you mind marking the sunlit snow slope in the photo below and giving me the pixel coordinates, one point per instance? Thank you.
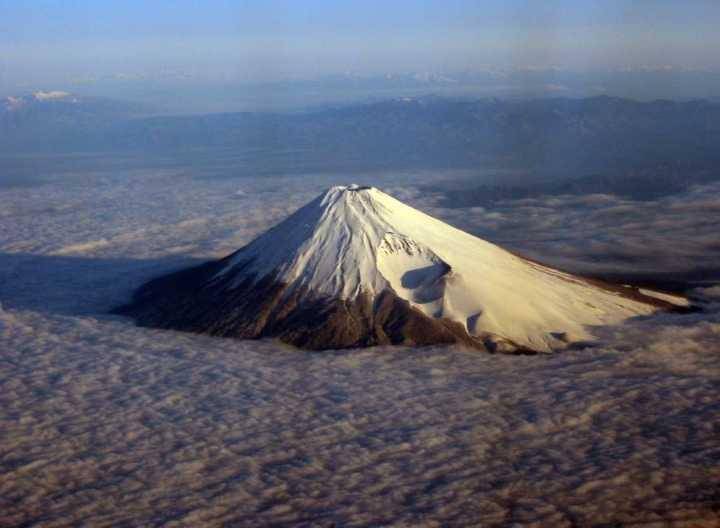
(358, 240)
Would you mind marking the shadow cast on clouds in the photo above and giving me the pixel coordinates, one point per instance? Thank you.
(76, 285)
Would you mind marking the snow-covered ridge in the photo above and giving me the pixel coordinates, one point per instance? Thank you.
(15, 103)
(676, 300)
(52, 95)
(358, 240)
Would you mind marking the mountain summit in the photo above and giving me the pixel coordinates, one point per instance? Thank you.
(356, 267)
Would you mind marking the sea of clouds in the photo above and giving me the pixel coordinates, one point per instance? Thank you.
(106, 424)
(598, 232)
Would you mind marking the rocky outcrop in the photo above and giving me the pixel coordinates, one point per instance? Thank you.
(195, 300)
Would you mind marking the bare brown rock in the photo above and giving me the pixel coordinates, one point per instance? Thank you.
(193, 300)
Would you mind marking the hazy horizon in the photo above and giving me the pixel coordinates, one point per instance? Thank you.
(207, 56)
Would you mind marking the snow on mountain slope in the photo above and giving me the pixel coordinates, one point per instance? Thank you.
(358, 241)
(675, 300)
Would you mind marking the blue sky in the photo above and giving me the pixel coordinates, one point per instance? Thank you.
(42, 41)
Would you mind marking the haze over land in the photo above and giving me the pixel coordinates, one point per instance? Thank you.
(219, 56)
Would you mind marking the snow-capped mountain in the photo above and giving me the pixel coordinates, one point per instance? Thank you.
(16, 103)
(356, 267)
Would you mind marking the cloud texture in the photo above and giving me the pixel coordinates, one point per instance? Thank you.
(111, 425)
(599, 232)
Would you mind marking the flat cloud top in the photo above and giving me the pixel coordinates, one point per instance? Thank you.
(108, 423)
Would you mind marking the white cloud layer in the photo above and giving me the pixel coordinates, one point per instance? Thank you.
(600, 232)
(104, 423)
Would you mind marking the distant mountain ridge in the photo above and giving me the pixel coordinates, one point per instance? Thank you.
(614, 142)
(55, 120)
(457, 132)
